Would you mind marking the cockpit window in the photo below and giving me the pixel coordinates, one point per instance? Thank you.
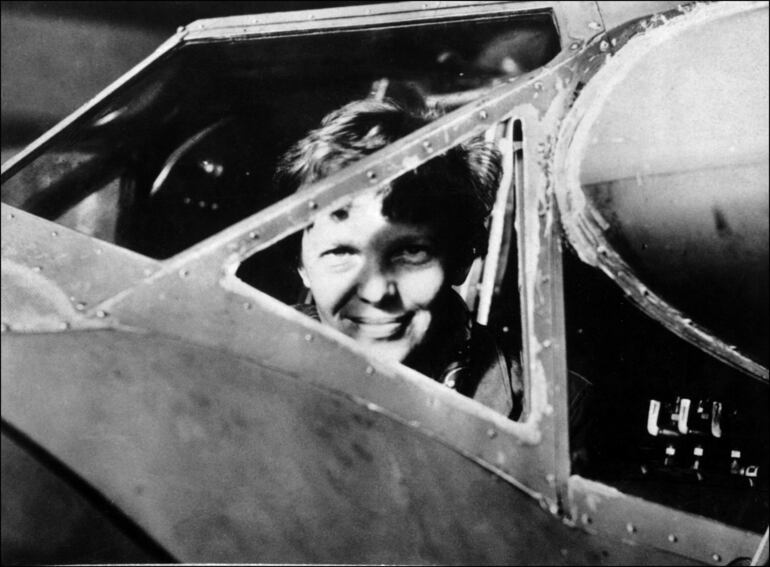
(661, 419)
(191, 146)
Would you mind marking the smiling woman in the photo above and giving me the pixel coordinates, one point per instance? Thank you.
(381, 269)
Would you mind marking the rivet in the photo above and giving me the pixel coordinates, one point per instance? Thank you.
(308, 337)
(202, 204)
(672, 538)
(604, 45)
(483, 115)
(54, 233)
(80, 306)
(585, 518)
(613, 42)
(214, 206)
(506, 330)
(574, 46)
(37, 269)
(716, 557)
(491, 433)
(630, 528)
(184, 273)
(254, 235)
(547, 343)
(64, 325)
(538, 86)
(428, 146)
(550, 478)
(594, 26)
(187, 200)
(370, 370)
(312, 205)
(247, 306)
(371, 175)
(11, 216)
(101, 314)
(98, 251)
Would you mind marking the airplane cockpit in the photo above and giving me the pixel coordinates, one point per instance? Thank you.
(627, 258)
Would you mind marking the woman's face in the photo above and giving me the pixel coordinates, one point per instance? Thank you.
(375, 280)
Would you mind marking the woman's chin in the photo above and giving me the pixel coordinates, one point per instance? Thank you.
(389, 351)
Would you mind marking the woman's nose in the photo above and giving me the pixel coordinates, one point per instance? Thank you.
(375, 285)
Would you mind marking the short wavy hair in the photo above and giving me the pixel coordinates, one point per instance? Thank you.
(454, 192)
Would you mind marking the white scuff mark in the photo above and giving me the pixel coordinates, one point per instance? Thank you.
(410, 162)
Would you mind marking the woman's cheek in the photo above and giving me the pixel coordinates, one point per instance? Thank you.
(419, 288)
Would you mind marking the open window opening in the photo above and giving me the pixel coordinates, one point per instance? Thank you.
(662, 419)
(422, 219)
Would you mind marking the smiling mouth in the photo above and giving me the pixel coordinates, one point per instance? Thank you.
(381, 327)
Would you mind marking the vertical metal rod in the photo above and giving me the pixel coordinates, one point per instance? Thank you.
(497, 224)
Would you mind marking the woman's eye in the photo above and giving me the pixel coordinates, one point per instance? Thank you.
(338, 257)
(338, 251)
(416, 254)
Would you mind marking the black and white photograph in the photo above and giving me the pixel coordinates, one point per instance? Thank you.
(385, 283)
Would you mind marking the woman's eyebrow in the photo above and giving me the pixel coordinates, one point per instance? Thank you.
(411, 239)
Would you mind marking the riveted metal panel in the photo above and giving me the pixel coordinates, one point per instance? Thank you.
(221, 459)
(53, 277)
(603, 509)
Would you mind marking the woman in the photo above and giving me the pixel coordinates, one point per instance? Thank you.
(381, 269)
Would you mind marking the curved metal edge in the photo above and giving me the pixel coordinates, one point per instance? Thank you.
(484, 436)
(596, 507)
(19, 160)
(124, 533)
(347, 17)
(583, 224)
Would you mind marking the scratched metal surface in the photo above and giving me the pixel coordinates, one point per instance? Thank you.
(226, 460)
(51, 517)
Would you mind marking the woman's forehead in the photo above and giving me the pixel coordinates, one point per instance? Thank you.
(362, 219)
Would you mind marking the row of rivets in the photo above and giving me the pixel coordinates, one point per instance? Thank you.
(632, 529)
(201, 204)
